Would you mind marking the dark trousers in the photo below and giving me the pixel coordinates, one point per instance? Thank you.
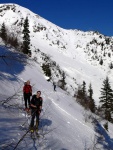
(54, 87)
(34, 114)
(27, 99)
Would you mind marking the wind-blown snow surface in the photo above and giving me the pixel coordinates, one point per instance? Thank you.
(62, 119)
(76, 52)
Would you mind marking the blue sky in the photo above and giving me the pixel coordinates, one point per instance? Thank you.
(96, 15)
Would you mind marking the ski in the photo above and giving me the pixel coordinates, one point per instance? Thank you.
(34, 134)
(37, 134)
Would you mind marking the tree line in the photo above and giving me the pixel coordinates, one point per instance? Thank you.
(13, 41)
(105, 109)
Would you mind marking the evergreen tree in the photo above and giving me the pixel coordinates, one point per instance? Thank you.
(63, 80)
(106, 99)
(84, 88)
(79, 95)
(90, 90)
(26, 37)
(101, 61)
(111, 66)
(85, 98)
(3, 33)
(91, 100)
(79, 92)
(47, 70)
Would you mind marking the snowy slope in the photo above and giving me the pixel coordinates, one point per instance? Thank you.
(62, 119)
(77, 53)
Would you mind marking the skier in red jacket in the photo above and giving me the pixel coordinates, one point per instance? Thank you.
(27, 92)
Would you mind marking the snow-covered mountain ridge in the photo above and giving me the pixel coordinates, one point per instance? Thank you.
(77, 53)
(63, 122)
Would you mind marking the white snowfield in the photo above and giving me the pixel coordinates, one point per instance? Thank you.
(77, 53)
(62, 121)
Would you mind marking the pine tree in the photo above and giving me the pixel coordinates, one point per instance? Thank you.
(3, 33)
(91, 100)
(79, 92)
(84, 88)
(106, 99)
(79, 95)
(85, 98)
(47, 70)
(63, 80)
(90, 90)
(101, 61)
(111, 66)
(26, 37)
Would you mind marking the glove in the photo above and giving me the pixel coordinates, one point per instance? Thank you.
(40, 110)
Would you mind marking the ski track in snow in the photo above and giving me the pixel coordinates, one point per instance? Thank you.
(70, 115)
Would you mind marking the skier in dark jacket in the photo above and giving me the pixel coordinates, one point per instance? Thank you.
(27, 92)
(36, 107)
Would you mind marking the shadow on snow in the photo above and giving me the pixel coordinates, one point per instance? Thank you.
(11, 64)
(45, 122)
(104, 139)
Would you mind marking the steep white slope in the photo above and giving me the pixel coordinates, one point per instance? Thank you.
(62, 117)
(77, 53)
